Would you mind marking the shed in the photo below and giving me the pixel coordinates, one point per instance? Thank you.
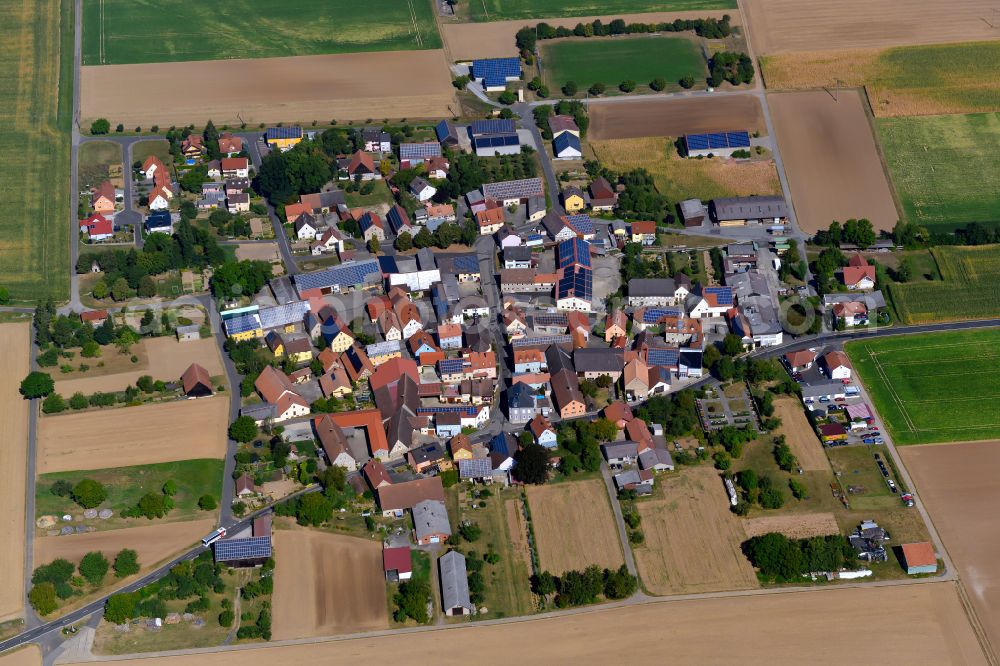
(397, 564)
(919, 558)
(693, 212)
(196, 381)
(454, 585)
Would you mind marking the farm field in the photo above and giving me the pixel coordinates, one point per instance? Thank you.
(902, 81)
(494, 10)
(37, 61)
(613, 60)
(657, 117)
(692, 538)
(781, 26)
(796, 526)
(800, 436)
(398, 84)
(945, 168)
(833, 164)
(165, 432)
(29, 655)
(13, 461)
(126, 485)
(964, 290)
(160, 358)
(495, 39)
(117, 32)
(678, 178)
(954, 482)
(913, 623)
(933, 387)
(574, 526)
(327, 584)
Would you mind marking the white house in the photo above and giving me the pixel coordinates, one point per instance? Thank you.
(158, 199)
(712, 302)
(329, 240)
(305, 227)
(837, 365)
(422, 190)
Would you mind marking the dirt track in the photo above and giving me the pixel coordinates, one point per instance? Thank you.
(831, 159)
(326, 584)
(354, 86)
(674, 117)
(800, 436)
(125, 436)
(781, 26)
(13, 458)
(958, 483)
(913, 624)
(495, 39)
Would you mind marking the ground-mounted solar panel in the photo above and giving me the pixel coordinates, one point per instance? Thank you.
(738, 139)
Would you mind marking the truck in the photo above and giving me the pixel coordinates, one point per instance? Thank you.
(213, 537)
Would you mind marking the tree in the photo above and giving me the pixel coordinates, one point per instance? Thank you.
(94, 567)
(100, 126)
(404, 242)
(43, 598)
(725, 369)
(627, 86)
(169, 488)
(119, 289)
(89, 493)
(569, 88)
(597, 88)
(153, 505)
(36, 385)
(732, 345)
(314, 509)
(147, 287)
(658, 84)
(207, 503)
(507, 97)
(4, 296)
(226, 618)
(533, 464)
(243, 429)
(545, 584)
(126, 563)
(120, 608)
(61, 488)
(373, 244)
(905, 271)
(79, 401)
(411, 601)
(687, 82)
(470, 531)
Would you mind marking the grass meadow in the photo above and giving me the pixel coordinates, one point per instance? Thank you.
(613, 60)
(966, 288)
(498, 10)
(36, 85)
(935, 387)
(142, 31)
(946, 169)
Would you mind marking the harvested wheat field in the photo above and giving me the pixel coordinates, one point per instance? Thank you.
(352, 86)
(153, 543)
(13, 464)
(831, 159)
(574, 526)
(800, 436)
(692, 538)
(495, 39)
(326, 584)
(124, 436)
(674, 117)
(782, 26)
(911, 624)
(161, 358)
(30, 655)
(958, 483)
(798, 526)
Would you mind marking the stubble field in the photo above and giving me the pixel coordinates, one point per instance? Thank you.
(326, 584)
(30, 655)
(795, 526)
(832, 162)
(352, 86)
(495, 10)
(574, 526)
(181, 430)
(675, 117)
(910, 623)
(965, 290)
(13, 461)
(800, 436)
(613, 60)
(692, 538)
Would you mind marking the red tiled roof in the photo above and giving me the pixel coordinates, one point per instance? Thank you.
(397, 559)
(919, 554)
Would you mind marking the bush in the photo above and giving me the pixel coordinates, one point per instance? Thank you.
(658, 84)
(687, 82)
(61, 488)
(126, 563)
(153, 505)
(798, 489)
(43, 598)
(207, 503)
(89, 493)
(627, 86)
(569, 88)
(170, 488)
(100, 126)
(597, 88)
(226, 618)
(243, 429)
(470, 531)
(53, 404)
(79, 401)
(507, 97)
(120, 608)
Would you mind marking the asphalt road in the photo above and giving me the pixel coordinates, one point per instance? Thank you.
(226, 517)
(253, 148)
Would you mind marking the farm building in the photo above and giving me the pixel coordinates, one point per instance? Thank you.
(718, 144)
(446, 133)
(196, 381)
(566, 146)
(494, 137)
(351, 275)
(603, 196)
(250, 552)
(397, 563)
(832, 432)
(693, 212)
(454, 585)
(513, 192)
(430, 522)
(494, 73)
(283, 138)
(741, 211)
(919, 558)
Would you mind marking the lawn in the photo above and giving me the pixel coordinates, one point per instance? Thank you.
(125, 485)
(94, 159)
(613, 60)
(36, 86)
(966, 288)
(119, 31)
(946, 168)
(159, 147)
(497, 10)
(380, 194)
(935, 387)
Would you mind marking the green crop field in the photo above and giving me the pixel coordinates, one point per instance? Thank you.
(36, 62)
(937, 387)
(946, 168)
(498, 10)
(138, 31)
(966, 290)
(611, 61)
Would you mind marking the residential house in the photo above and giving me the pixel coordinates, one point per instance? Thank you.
(566, 146)
(97, 227)
(858, 274)
(573, 199)
(371, 226)
(102, 199)
(298, 349)
(799, 361)
(541, 429)
(517, 256)
(235, 167)
(460, 447)
(430, 522)
(566, 391)
(529, 360)
(306, 227)
(536, 208)
(438, 214)
(711, 302)
(450, 336)
(490, 220)
(837, 365)
(644, 232)
(330, 240)
(230, 145)
(454, 585)
(524, 403)
(503, 450)
(426, 456)
(334, 443)
(421, 189)
(275, 387)
(618, 413)
(362, 166)
(376, 474)
(380, 352)
(238, 202)
(603, 196)
(399, 221)
(335, 383)
(376, 140)
(851, 313)
(94, 317)
(192, 147)
(412, 155)
(620, 453)
(446, 133)
(637, 431)
(397, 498)
(599, 362)
(635, 380)
(557, 228)
(648, 292)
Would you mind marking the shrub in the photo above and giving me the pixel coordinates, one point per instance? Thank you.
(470, 531)
(627, 86)
(207, 503)
(657, 84)
(569, 88)
(79, 401)
(507, 97)
(53, 404)
(61, 488)
(226, 618)
(687, 82)
(100, 126)
(597, 88)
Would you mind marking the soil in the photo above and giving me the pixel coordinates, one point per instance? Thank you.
(800, 436)
(574, 526)
(161, 358)
(798, 526)
(518, 530)
(495, 39)
(13, 458)
(258, 251)
(673, 117)
(125, 436)
(30, 655)
(957, 482)
(909, 624)
(327, 584)
(831, 159)
(781, 26)
(354, 86)
(692, 538)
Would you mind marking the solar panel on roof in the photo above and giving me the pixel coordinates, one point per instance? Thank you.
(496, 140)
(577, 282)
(284, 132)
(582, 224)
(243, 323)
(494, 126)
(723, 295)
(541, 340)
(410, 151)
(450, 366)
(346, 274)
(502, 68)
(467, 411)
(717, 140)
(662, 357)
(243, 549)
(475, 468)
(653, 315)
(574, 251)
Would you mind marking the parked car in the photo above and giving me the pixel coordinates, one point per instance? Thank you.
(907, 499)
(879, 440)
(892, 485)
(824, 399)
